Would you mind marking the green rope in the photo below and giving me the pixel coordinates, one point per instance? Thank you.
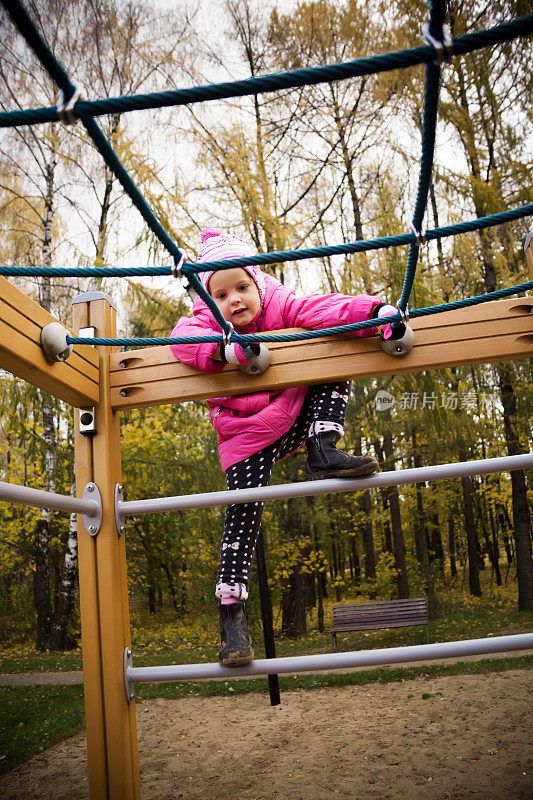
(305, 335)
(276, 257)
(310, 76)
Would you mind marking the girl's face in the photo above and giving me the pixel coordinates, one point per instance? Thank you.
(236, 294)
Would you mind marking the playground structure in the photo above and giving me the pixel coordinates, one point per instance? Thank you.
(92, 378)
(99, 382)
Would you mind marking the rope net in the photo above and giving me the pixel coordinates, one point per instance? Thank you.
(439, 48)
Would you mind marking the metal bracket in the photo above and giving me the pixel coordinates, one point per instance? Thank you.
(119, 516)
(128, 684)
(65, 110)
(93, 523)
(176, 269)
(228, 334)
(444, 48)
(87, 333)
(54, 342)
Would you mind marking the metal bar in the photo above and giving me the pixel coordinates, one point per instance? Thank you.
(305, 488)
(266, 614)
(12, 493)
(323, 661)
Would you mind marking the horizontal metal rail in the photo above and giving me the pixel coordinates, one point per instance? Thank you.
(305, 488)
(13, 493)
(324, 661)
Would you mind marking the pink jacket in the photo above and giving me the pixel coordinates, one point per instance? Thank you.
(248, 423)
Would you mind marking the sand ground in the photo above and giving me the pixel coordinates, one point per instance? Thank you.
(470, 735)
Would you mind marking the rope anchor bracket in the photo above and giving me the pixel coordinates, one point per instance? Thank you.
(93, 522)
(54, 342)
(403, 344)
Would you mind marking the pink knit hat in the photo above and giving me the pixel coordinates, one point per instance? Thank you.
(217, 245)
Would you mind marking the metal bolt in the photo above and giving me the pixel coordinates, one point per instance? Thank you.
(92, 528)
(90, 487)
(123, 393)
(122, 364)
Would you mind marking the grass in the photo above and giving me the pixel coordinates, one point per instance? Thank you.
(35, 718)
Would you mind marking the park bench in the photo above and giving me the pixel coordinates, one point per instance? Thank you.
(379, 614)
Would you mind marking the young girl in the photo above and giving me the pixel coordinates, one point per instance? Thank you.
(256, 430)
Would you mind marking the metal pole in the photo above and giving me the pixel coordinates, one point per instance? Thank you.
(266, 614)
(325, 661)
(37, 497)
(305, 488)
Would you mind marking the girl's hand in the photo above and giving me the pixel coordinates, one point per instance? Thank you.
(252, 359)
(395, 330)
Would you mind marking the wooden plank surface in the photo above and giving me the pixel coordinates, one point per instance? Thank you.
(479, 334)
(75, 381)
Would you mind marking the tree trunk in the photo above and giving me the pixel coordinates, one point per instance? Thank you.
(466, 130)
(444, 279)
(398, 544)
(436, 538)
(171, 587)
(59, 638)
(294, 593)
(471, 538)
(320, 603)
(293, 617)
(41, 584)
(368, 536)
(451, 543)
(420, 527)
(495, 547)
(355, 559)
(151, 596)
(350, 179)
(484, 519)
(522, 536)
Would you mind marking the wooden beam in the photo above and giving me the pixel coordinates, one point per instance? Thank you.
(482, 333)
(21, 321)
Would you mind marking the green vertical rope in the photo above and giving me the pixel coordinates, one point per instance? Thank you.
(429, 130)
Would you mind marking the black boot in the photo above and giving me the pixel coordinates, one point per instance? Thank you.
(236, 644)
(325, 461)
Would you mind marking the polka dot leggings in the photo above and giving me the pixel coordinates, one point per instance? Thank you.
(324, 409)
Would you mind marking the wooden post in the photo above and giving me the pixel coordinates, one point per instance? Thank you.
(110, 720)
(528, 249)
